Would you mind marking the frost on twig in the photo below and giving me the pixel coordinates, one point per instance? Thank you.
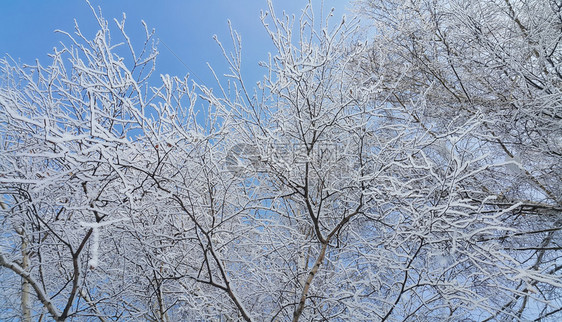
(405, 172)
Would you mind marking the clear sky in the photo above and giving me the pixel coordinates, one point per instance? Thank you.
(27, 29)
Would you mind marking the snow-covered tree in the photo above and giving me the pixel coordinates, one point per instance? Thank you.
(497, 62)
(369, 176)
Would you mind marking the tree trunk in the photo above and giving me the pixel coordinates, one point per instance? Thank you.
(25, 287)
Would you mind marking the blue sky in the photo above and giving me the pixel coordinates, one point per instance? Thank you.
(27, 29)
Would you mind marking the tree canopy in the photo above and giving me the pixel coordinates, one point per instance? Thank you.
(402, 164)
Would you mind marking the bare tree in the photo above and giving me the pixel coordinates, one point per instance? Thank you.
(368, 176)
(499, 62)
(64, 129)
